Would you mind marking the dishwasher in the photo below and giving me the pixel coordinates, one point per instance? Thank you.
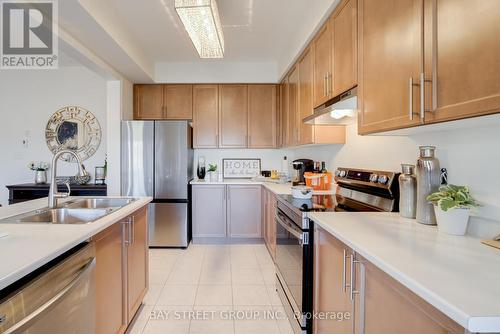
(57, 298)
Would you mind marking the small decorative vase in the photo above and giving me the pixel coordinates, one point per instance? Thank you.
(40, 177)
(453, 221)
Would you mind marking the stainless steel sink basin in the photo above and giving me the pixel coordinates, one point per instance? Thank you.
(97, 203)
(62, 216)
(78, 211)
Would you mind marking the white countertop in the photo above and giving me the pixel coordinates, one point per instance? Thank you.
(29, 246)
(277, 188)
(457, 275)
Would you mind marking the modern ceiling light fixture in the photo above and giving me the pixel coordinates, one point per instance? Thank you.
(202, 23)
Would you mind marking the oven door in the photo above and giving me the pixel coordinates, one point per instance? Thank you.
(292, 253)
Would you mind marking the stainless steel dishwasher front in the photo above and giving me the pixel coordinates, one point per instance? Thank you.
(58, 300)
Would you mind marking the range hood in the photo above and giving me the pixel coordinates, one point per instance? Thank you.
(338, 110)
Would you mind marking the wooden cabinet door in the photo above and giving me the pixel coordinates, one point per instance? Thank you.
(390, 308)
(110, 314)
(137, 260)
(148, 102)
(462, 58)
(306, 76)
(390, 35)
(345, 49)
(209, 211)
(285, 114)
(329, 293)
(262, 116)
(179, 101)
(272, 206)
(205, 116)
(233, 116)
(293, 107)
(322, 45)
(243, 211)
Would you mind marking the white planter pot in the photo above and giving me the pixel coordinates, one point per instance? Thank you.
(213, 176)
(453, 221)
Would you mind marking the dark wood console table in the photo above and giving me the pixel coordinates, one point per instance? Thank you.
(28, 191)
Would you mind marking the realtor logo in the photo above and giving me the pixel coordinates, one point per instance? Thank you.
(28, 34)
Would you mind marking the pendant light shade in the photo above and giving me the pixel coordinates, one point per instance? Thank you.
(202, 23)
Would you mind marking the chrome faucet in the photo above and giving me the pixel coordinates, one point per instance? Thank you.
(54, 194)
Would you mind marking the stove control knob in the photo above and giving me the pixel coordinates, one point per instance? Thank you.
(342, 173)
(383, 179)
(374, 178)
(337, 173)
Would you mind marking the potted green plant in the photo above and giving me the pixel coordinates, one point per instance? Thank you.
(40, 168)
(452, 205)
(212, 172)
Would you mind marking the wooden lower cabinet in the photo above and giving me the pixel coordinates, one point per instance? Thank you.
(110, 280)
(268, 222)
(121, 272)
(378, 305)
(225, 212)
(243, 211)
(331, 272)
(137, 260)
(209, 211)
(391, 308)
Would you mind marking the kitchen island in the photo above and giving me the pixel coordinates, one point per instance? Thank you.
(117, 241)
(457, 275)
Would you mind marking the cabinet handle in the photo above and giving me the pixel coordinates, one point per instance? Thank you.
(324, 85)
(344, 270)
(410, 98)
(228, 193)
(351, 285)
(434, 55)
(132, 230)
(329, 84)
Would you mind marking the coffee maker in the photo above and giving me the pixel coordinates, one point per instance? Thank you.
(300, 166)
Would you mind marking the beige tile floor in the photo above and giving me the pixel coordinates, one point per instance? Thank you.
(226, 289)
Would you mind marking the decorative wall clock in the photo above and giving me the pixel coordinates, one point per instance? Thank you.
(73, 128)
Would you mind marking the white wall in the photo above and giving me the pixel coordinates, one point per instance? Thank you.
(216, 71)
(27, 100)
(471, 155)
(270, 158)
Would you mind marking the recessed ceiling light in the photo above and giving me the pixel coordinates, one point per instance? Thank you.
(202, 23)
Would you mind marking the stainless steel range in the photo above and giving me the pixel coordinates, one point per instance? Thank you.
(357, 191)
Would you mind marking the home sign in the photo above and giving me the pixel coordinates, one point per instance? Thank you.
(240, 168)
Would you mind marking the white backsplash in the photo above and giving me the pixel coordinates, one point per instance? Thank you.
(471, 155)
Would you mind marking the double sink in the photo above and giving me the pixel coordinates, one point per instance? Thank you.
(80, 211)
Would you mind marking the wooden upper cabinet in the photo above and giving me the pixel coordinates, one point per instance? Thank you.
(322, 46)
(205, 116)
(330, 261)
(306, 76)
(293, 107)
(149, 102)
(390, 54)
(262, 114)
(285, 114)
(233, 116)
(390, 308)
(179, 101)
(462, 58)
(345, 49)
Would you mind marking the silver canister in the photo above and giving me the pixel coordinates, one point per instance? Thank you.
(428, 181)
(408, 192)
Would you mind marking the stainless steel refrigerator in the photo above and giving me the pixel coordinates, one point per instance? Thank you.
(157, 161)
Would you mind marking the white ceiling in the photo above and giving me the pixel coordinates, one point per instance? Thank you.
(260, 31)
(145, 40)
